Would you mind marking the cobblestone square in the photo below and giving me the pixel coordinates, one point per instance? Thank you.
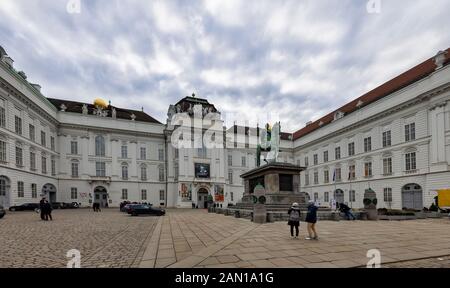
(195, 238)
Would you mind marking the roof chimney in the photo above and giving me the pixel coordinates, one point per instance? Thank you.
(23, 75)
(309, 123)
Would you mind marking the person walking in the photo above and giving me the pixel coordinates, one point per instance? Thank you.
(48, 211)
(42, 208)
(311, 219)
(294, 219)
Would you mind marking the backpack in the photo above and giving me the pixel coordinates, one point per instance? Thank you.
(294, 215)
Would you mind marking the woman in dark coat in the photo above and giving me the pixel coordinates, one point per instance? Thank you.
(294, 219)
(311, 219)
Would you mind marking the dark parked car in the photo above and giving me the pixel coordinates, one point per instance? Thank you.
(140, 209)
(25, 207)
(2, 212)
(127, 207)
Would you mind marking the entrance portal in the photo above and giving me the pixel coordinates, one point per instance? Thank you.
(101, 196)
(4, 191)
(49, 192)
(202, 198)
(412, 197)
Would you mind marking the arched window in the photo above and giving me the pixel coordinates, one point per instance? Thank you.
(99, 146)
(144, 172)
(124, 171)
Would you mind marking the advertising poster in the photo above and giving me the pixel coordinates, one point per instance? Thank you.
(218, 193)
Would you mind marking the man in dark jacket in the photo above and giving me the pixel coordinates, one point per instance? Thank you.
(42, 208)
(347, 211)
(47, 211)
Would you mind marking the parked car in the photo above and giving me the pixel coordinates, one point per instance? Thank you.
(141, 209)
(2, 212)
(127, 207)
(25, 207)
(73, 205)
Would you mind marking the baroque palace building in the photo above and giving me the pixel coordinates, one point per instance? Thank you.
(395, 140)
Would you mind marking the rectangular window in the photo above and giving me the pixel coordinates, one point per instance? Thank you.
(124, 152)
(100, 169)
(3, 151)
(52, 143)
(161, 174)
(386, 139)
(338, 175)
(74, 147)
(337, 153)
(32, 132)
(316, 197)
(161, 154)
(176, 172)
(352, 196)
(387, 166)
(143, 194)
(18, 125)
(144, 173)
(387, 195)
(2, 117)
(351, 172)
(410, 161)
(231, 196)
(316, 178)
(326, 197)
(33, 190)
(244, 161)
(351, 149)
(73, 193)
(20, 189)
(19, 157)
(162, 195)
(143, 153)
(316, 159)
(306, 179)
(124, 194)
(44, 165)
(410, 132)
(43, 139)
(368, 169)
(230, 160)
(53, 166)
(230, 176)
(325, 156)
(74, 169)
(326, 176)
(306, 161)
(177, 153)
(124, 172)
(368, 144)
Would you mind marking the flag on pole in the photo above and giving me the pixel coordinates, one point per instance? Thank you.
(334, 175)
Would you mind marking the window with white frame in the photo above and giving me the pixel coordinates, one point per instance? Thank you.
(74, 147)
(33, 191)
(52, 143)
(230, 160)
(316, 197)
(244, 161)
(387, 166)
(230, 176)
(2, 117)
(307, 179)
(74, 168)
(337, 153)
(124, 194)
(19, 156)
(53, 166)
(161, 154)
(306, 161)
(161, 173)
(43, 139)
(32, 132)
(73, 193)
(162, 195)
(387, 139)
(387, 195)
(316, 177)
(316, 159)
(368, 169)
(326, 176)
(352, 196)
(410, 132)
(18, 125)
(3, 157)
(44, 164)
(143, 194)
(351, 172)
(3, 186)
(100, 169)
(143, 153)
(410, 161)
(326, 197)
(124, 152)
(143, 172)
(368, 144)
(20, 189)
(338, 174)
(231, 196)
(351, 149)
(176, 172)
(124, 171)
(325, 156)
(100, 146)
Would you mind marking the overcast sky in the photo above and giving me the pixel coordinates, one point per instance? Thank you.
(300, 59)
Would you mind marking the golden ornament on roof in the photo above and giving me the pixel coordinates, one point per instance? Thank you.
(100, 103)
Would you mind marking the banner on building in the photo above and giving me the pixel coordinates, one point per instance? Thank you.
(444, 198)
(218, 193)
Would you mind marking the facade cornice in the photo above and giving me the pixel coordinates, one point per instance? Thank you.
(109, 130)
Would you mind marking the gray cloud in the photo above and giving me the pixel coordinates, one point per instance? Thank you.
(300, 59)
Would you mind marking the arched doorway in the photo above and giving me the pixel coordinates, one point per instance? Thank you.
(339, 196)
(202, 198)
(5, 186)
(101, 196)
(412, 197)
(49, 192)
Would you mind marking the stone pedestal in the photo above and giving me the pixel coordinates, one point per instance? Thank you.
(259, 214)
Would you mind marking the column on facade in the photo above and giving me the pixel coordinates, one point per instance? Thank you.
(438, 134)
